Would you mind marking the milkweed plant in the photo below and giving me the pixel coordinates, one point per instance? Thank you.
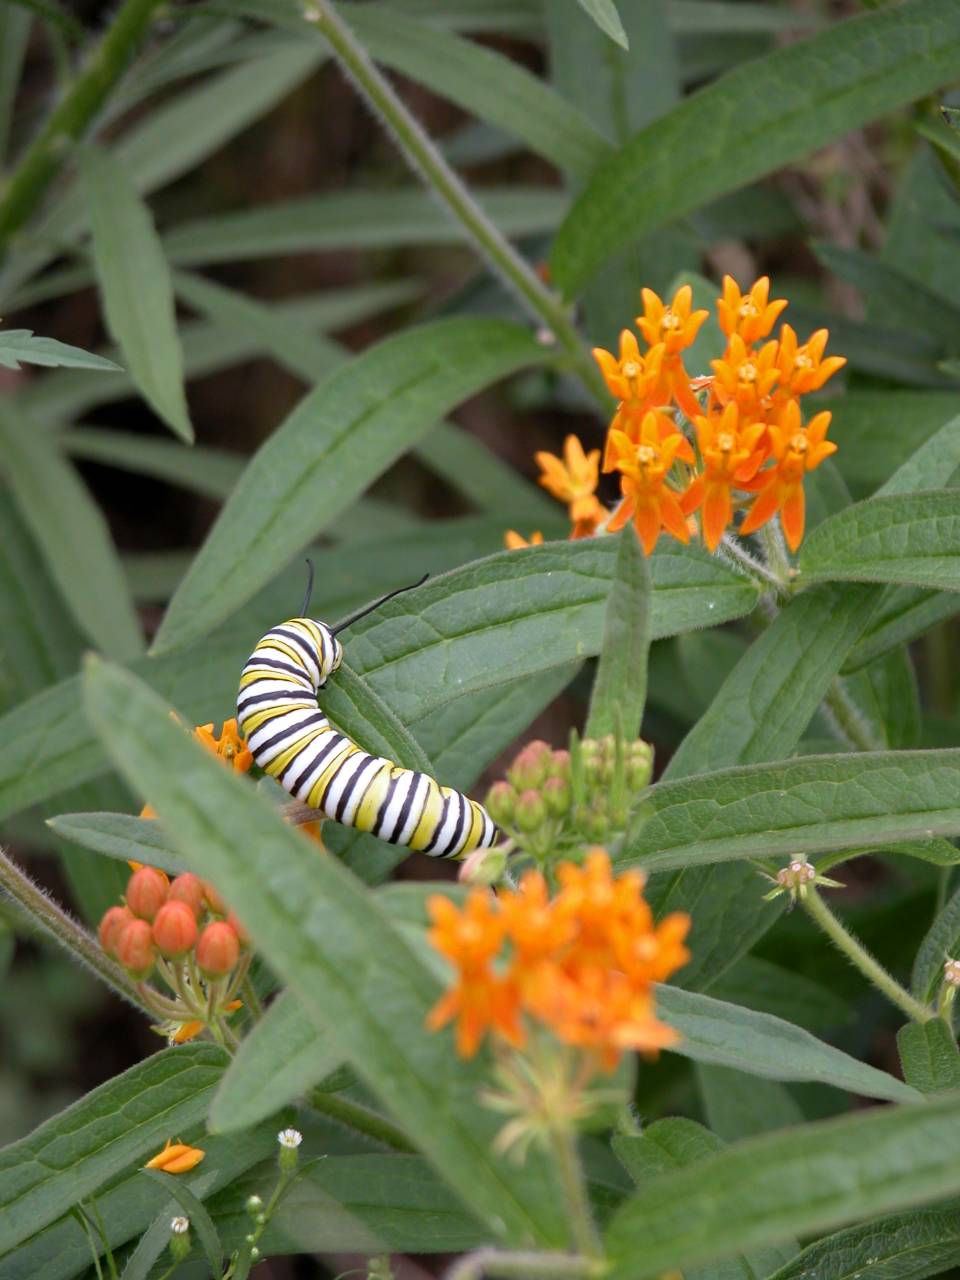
(567, 886)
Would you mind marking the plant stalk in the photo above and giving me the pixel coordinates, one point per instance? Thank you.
(861, 959)
(54, 921)
(70, 119)
(361, 1119)
(420, 153)
(531, 1266)
(582, 1226)
(848, 720)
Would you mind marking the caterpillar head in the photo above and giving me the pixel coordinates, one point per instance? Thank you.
(329, 651)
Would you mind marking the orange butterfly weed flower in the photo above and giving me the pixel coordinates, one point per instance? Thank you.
(573, 480)
(635, 377)
(480, 1000)
(803, 368)
(646, 498)
(795, 450)
(176, 1157)
(229, 747)
(731, 456)
(672, 323)
(633, 428)
(514, 541)
(750, 315)
(744, 376)
(581, 963)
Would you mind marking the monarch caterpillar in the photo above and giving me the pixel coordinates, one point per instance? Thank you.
(293, 741)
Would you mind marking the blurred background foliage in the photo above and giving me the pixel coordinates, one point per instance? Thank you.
(296, 233)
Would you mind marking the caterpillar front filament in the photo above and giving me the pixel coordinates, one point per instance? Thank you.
(293, 741)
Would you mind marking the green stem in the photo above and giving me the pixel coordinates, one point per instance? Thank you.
(69, 121)
(362, 1119)
(776, 551)
(536, 1266)
(251, 999)
(848, 719)
(546, 307)
(858, 956)
(54, 921)
(563, 1140)
(754, 567)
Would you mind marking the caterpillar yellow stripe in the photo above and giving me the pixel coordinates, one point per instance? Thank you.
(293, 741)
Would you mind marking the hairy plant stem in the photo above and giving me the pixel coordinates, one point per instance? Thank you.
(754, 567)
(563, 1140)
(362, 1119)
(544, 305)
(69, 933)
(861, 959)
(536, 1266)
(70, 119)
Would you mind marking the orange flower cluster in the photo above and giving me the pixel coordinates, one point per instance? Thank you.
(752, 447)
(581, 963)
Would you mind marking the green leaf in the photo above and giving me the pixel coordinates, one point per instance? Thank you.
(280, 1059)
(740, 1106)
(675, 1143)
(202, 469)
(529, 610)
(343, 435)
(782, 1184)
(776, 989)
(885, 699)
(350, 701)
(127, 1119)
(15, 26)
(762, 1045)
(604, 13)
(932, 463)
(903, 1246)
(903, 614)
(200, 1220)
(135, 283)
(22, 346)
(324, 936)
(758, 118)
(905, 538)
(620, 685)
(355, 220)
(879, 431)
(819, 803)
(119, 835)
(485, 83)
(928, 1053)
(940, 943)
(769, 698)
(151, 1244)
(72, 534)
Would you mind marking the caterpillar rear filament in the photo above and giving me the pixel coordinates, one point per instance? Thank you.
(293, 741)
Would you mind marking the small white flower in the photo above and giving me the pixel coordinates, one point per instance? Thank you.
(951, 973)
(290, 1138)
(179, 1226)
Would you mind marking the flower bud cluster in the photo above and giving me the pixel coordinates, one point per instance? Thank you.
(181, 932)
(552, 801)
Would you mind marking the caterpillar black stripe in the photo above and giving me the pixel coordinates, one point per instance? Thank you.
(293, 741)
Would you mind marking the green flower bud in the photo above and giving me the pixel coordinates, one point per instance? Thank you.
(557, 796)
(531, 810)
(483, 867)
(253, 1205)
(501, 803)
(639, 765)
(594, 822)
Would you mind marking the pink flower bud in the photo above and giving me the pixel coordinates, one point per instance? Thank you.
(187, 888)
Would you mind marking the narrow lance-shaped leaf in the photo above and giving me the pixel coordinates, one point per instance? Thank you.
(756, 119)
(760, 1044)
(794, 1183)
(23, 346)
(904, 538)
(929, 1055)
(198, 1217)
(72, 534)
(343, 435)
(135, 280)
(604, 13)
(324, 935)
(620, 685)
(127, 1119)
(819, 803)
